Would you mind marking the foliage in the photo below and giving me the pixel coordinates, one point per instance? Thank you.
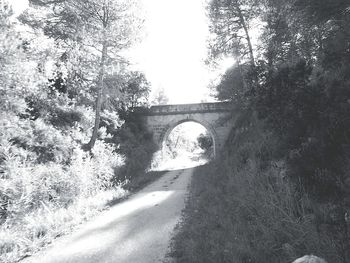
(232, 85)
(244, 208)
(48, 184)
(127, 90)
(160, 98)
(300, 89)
(100, 29)
(19, 67)
(205, 141)
(230, 23)
(135, 143)
(177, 139)
(306, 101)
(84, 23)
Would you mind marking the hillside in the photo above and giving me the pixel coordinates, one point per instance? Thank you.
(244, 208)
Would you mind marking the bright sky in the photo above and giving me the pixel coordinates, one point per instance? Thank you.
(18, 5)
(173, 52)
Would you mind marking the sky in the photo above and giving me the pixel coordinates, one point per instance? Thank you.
(19, 5)
(173, 51)
(172, 54)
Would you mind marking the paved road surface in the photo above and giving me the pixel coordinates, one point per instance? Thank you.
(137, 230)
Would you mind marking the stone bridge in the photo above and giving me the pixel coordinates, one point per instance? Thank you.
(216, 117)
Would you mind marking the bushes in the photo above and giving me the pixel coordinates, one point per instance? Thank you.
(135, 143)
(62, 118)
(48, 184)
(40, 202)
(307, 107)
(243, 208)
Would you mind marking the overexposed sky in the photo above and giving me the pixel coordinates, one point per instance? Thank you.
(173, 51)
(172, 54)
(18, 5)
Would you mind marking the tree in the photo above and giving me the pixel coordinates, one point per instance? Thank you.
(305, 99)
(205, 141)
(127, 90)
(160, 98)
(323, 10)
(135, 91)
(21, 71)
(231, 30)
(101, 28)
(230, 24)
(303, 95)
(10, 55)
(231, 86)
(288, 35)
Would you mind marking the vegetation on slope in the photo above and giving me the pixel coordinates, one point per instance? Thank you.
(244, 208)
(281, 188)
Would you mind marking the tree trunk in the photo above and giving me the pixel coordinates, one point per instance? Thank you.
(100, 92)
(246, 31)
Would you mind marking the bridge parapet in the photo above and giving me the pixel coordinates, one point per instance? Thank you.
(190, 108)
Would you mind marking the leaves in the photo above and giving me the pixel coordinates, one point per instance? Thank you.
(303, 94)
(230, 23)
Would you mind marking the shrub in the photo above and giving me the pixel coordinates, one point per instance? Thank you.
(307, 107)
(136, 144)
(63, 118)
(243, 207)
(48, 184)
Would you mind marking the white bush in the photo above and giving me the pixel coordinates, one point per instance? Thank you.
(48, 184)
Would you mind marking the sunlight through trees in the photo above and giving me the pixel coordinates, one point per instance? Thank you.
(188, 145)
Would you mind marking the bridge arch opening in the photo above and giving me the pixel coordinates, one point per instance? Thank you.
(186, 143)
(206, 128)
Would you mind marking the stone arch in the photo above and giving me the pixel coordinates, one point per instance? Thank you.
(216, 117)
(172, 125)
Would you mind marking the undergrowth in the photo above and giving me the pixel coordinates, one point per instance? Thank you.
(48, 184)
(244, 208)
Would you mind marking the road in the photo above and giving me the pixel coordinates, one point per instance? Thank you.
(137, 230)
